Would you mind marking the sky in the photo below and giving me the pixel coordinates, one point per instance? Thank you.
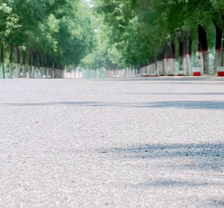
(90, 3)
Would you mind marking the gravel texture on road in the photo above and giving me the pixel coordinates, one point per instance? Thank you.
(153, 142)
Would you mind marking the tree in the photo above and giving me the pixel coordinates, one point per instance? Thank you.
(44, 34)
(8, 24)
(151, 25)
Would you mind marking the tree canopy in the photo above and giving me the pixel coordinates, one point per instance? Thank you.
(140, 29)
(101, 33)
(50, 32)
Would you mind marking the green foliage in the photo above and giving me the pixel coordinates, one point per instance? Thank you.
(56, 31)
(139, 29)
(113, 34)
(8, 21)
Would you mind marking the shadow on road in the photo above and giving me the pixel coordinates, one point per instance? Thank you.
(187, 159)
(218, 203)
(211, 105)
(205, 156)
(214, 105)
(173, 183)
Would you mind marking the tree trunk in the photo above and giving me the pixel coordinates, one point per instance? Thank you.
(34, 55)
(170, 59)
(181, 57)
(24, 63)
(10, 60)
(17, 62)
(160, 64)
(188, 50)
(30, 65)
(222, 53)
(218, 48)
(32, 71)
(41, 65)
(203, 50)
(45, 65)
(2, 61)
(222, 44)
(48, 66)
(163, 62)
(53, 72)
(152, 66)
(206, 62)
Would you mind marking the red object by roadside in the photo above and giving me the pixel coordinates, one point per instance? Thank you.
(196, 74)
(220, 74)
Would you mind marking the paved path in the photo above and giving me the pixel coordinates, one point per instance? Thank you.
(155, 142)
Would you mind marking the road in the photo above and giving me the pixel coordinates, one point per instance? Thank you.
(140, 142)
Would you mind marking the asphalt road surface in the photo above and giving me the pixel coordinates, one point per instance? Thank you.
(153, 142)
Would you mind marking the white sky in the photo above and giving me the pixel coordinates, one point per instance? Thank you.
(90, 3)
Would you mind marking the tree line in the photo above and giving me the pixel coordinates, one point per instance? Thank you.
(128, 34)
(139, 33)
(46, 34)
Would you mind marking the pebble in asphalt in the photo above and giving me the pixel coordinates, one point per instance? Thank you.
(155, 142)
